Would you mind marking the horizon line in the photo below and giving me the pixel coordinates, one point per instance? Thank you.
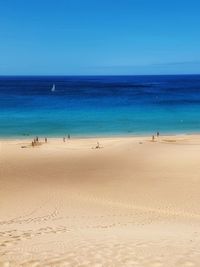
(93, 75)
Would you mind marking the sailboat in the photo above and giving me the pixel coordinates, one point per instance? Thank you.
(53, 88)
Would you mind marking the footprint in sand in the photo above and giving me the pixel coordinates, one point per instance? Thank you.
(132, 263)
(31, 264)
(5, 264)
(156, 264)
(186, 263)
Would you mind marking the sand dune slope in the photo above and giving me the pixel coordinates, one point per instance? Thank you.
(131, 203)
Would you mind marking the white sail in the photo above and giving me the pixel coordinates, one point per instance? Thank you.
(53, 88)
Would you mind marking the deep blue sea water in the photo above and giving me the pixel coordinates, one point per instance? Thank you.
(99, 105)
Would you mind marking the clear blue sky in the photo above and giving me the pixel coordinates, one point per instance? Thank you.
(99, 37)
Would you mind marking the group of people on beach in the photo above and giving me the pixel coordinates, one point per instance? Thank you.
(36, 142)
(64, 138)
(153, 136)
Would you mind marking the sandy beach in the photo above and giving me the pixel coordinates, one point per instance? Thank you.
(133, 202)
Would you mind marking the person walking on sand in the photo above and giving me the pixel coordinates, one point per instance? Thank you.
(63, 139)
(45, 139)
(153, 138)
(32, 143)
(158, 134)
(97, 146)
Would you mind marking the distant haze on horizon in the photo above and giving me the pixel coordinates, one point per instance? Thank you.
(75, 37)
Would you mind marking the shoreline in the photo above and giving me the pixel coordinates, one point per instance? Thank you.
(111, 136)
(101, 137)
(105, 143)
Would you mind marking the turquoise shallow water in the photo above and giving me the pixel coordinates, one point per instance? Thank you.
(101, 105)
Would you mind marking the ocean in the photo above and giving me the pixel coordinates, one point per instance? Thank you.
(84, 106)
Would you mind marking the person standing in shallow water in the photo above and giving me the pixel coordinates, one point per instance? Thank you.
(153, 138)
(45, 140)
(68, 136)
(158, 134)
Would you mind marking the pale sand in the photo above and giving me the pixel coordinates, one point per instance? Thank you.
(127, 204)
